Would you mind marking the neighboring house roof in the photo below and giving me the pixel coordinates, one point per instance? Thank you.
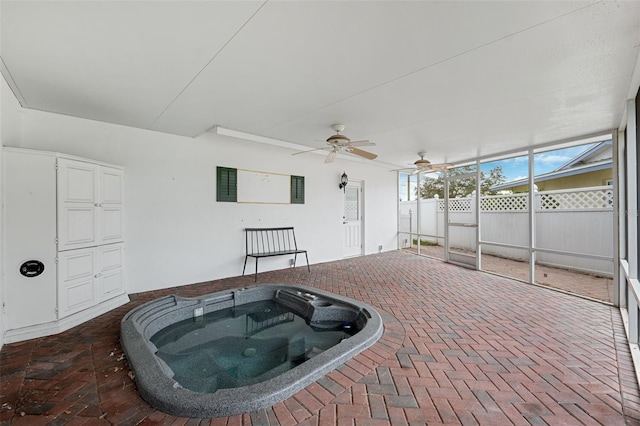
(597, 152)
(596, 157)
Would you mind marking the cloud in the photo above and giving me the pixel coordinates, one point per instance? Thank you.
(521, 159)
(552, 158)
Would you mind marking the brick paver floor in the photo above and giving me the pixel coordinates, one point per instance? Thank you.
(587, 285)
(459, 347)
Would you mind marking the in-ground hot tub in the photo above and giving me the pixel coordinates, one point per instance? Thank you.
(241, 350)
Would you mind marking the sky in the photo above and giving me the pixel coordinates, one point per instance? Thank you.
(544, 162)
(517, 167)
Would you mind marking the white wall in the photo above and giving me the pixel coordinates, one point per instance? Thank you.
(176, 233)
(10, 130)
(1, 221)
(1, 229)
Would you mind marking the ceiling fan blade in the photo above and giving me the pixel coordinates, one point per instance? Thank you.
(309, 150)
(427, 172)
(361, 153)
(331, 156)
(361, 143)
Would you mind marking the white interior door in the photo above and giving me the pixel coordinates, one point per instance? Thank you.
(352, 220)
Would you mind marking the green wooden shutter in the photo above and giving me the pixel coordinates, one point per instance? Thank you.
(297, 189)
(226, 184)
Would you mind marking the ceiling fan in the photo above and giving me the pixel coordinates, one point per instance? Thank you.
(340, 142)
(423, 165)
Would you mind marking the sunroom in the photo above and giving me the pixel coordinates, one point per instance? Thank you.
(375, 130)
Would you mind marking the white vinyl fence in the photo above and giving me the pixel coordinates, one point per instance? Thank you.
(570, 221)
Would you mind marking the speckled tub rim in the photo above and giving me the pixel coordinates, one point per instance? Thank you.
(154, 379)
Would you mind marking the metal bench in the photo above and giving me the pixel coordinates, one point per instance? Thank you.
(268, 242)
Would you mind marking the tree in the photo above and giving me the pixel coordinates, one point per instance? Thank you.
(462, 187)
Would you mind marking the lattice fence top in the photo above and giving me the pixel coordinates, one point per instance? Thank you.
(456, 205)
(576, 199)
(505, 203)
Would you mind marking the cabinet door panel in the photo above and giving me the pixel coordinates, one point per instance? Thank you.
(76, 280)
(110, 281)
(76, 296)
(110, 256)
(76, 264)
(77, 204)
(111, 284)
(111, 183)
(111, 220)
(111, 224)
(77, 181)
(77, 227)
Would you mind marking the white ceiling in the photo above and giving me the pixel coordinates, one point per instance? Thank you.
(454, 79)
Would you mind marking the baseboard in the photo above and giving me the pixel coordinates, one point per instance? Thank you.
(63, 324)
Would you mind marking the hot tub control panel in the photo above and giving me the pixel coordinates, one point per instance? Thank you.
(31, 268)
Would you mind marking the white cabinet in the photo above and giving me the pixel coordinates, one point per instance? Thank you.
(67, 213)
(89, 204)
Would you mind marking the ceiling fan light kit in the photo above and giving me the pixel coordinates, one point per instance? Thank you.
(338, 139)
(422, 164)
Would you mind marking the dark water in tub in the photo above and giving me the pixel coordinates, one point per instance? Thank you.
(243, 345)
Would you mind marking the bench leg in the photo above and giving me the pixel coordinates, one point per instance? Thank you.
(295, 259)
(305, 255)
(245, 264)
(256, 276)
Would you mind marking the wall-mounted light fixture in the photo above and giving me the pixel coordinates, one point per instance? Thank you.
(344, 180)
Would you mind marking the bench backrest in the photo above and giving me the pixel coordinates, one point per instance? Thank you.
(270, 240)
